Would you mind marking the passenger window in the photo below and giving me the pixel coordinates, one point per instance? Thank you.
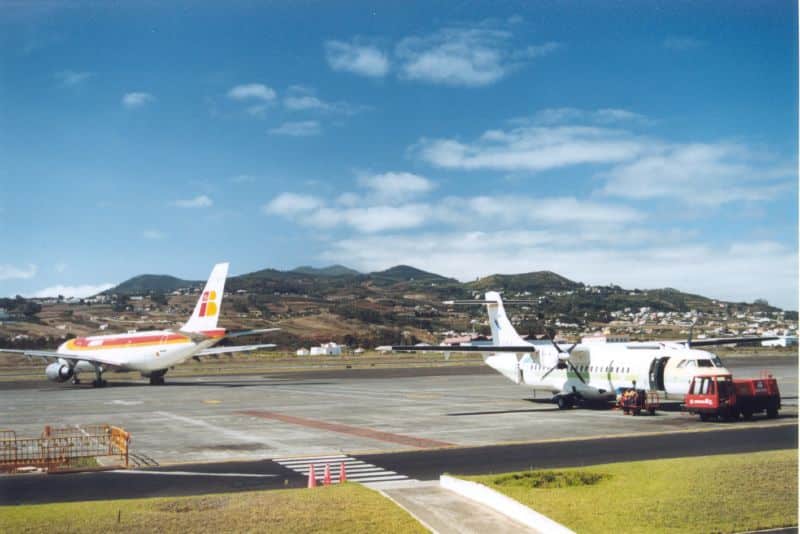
(704, 363)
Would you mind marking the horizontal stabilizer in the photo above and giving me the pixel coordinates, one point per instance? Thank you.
(465, 302)
(236, 348)
(250, 332)
(461, 348)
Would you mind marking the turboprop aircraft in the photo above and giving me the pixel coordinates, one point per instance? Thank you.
(152, 352)
(589, 372)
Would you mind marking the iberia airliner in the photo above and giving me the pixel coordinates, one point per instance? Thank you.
(152, 352)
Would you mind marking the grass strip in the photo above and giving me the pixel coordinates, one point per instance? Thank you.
(723, 493)
(346, 508)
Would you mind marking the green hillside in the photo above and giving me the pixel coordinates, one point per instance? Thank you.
(535, 282)
(151, 283)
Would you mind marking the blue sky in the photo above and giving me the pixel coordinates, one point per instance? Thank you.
(648, 144)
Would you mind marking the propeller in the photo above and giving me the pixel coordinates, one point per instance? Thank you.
(565, 362)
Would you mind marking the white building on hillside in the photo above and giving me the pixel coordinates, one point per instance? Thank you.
(327, 349)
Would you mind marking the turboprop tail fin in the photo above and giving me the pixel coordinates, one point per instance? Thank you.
(503, 333)
(206, 311)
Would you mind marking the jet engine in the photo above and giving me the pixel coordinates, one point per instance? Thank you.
(58, 372)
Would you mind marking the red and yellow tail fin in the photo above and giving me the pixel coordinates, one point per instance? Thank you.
(206, 311)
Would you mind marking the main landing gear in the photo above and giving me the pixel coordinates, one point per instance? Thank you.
(565, 402)
(98, 378)
(157, 378)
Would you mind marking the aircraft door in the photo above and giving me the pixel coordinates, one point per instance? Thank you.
(657, 373)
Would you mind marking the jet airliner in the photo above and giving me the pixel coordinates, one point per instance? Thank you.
(153, 352)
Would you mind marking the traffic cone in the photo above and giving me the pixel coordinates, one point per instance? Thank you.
(312, 480)
(342, 473)
(327, 478)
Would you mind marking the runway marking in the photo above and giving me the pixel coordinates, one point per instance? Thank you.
(389, 437)
(233, 434)
(356, 470)
(191, 473)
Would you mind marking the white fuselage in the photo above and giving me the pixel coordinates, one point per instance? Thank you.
(149, 351)
(605, 368)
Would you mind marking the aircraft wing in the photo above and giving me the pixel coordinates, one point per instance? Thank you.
(51, 355)
(460, 348)
(727, 340)
(235, 348)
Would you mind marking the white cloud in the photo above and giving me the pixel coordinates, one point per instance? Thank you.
(700, 173)
(510, 210)
(682, 43)
(290, 204)
(386, 209)
(371, 219)
(297, 129)
(739, 272)
(79, 291)
(304, 102)
(153, 234)
(301, 98)
(396, 185)
(574, 115)
(70, 78)
(464, 56)
(357, 57)
(200, 201)
(12, 272)
(252, 91)
(243, 179)
(533, 148)
(137, 99)
(60, 267)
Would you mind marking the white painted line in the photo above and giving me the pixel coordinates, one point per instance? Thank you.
(246, 437)
(375, 479)
(191, 473)
(310, 458)
(330, 461)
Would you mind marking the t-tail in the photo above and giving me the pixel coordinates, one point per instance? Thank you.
(206, 311)
(503, 333)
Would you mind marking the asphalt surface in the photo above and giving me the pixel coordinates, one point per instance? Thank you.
(196, 479)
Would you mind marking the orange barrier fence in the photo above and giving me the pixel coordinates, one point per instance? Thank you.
(72, 447)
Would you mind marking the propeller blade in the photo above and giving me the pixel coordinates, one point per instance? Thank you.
(575, 370)
(553, 341)
(549, 371)
(569, 350)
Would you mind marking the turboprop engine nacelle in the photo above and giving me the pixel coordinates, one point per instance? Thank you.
(58, 372)
(554, 359)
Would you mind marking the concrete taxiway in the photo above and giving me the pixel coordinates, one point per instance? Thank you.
(204, 419)
(359, 416)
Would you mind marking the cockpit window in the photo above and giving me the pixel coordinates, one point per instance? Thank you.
(691, 363)
(682, 364)
(717, 361)
(704, 363)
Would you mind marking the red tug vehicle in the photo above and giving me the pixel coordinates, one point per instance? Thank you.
(723, 397)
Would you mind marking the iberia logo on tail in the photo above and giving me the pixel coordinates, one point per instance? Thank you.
(208, 304)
